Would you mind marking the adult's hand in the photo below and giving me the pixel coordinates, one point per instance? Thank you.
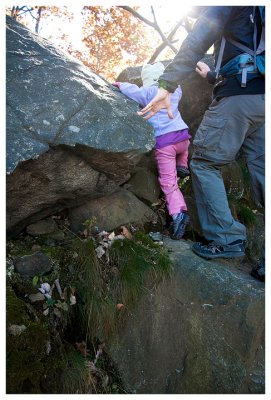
(202, 69)
(161, 100)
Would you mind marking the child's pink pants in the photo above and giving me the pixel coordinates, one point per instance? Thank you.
(167, 158)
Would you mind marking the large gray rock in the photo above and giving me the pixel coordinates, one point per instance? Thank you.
(200, 332)
(53, 99)
(144, 184)
(120, 208)
(59, 179)
(70, 134)
(197, 96)
(32, 265)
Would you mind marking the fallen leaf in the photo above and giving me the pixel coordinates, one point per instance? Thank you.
(82, 348)
(125, 232)
(64, 295)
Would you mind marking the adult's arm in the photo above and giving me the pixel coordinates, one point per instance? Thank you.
(206, 31)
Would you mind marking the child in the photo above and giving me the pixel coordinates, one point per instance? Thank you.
(171, 147)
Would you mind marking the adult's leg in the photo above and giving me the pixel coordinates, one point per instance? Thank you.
(217, 141)
(254, 152)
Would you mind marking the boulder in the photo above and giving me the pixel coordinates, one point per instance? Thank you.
(70, 134)
(233, 179)
(199, 332)
(31, 265)
(44, 227)
(256, 238)
(59, 179)
(110, 212)
(197, 96)
(144, 184)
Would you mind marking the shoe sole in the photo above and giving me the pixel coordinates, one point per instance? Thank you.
(232, 254)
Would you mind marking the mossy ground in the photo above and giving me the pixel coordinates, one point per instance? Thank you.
(61, 349)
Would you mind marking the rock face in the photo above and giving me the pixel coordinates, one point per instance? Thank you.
(34, 264)
(197, 96)
(144, 184)
(200, 332)
(122, 207)
(70, 135)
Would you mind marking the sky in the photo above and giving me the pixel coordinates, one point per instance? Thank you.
(169, 11)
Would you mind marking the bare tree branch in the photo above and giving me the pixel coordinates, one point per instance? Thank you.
(38, 20)
(152, 24)
(163, 45)
(137, 15)
(18, 11)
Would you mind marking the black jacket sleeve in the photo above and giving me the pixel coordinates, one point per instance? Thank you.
(206, 31)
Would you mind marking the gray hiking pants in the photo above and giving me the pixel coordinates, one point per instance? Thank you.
(228, 126)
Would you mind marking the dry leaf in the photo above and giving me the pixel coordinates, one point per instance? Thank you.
(125, 232)
(82, 348)
(64, 295)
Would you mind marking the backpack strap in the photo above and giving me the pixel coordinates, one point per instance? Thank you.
(220, 55)
(245, 68)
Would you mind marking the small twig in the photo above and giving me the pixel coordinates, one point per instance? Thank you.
(73, 233)
(58, 287)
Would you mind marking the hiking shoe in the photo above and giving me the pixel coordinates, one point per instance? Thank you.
(216, 250)
(182, 172)
(178, 226)
(258, 273)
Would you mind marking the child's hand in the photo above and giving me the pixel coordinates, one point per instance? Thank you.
(117, 84)
(202, 69)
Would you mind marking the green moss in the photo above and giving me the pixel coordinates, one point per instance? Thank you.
(246, 216)
(30, 368)
(16, 309)
(25, 356)
(25, 351)
(242, 210)
(27, 361)
(53, 252)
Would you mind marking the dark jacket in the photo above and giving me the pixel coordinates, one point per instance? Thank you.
(213, 23)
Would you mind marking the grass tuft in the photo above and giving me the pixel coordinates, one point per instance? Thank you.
(136, 263)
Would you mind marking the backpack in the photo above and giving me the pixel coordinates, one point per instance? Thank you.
(251, 61)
